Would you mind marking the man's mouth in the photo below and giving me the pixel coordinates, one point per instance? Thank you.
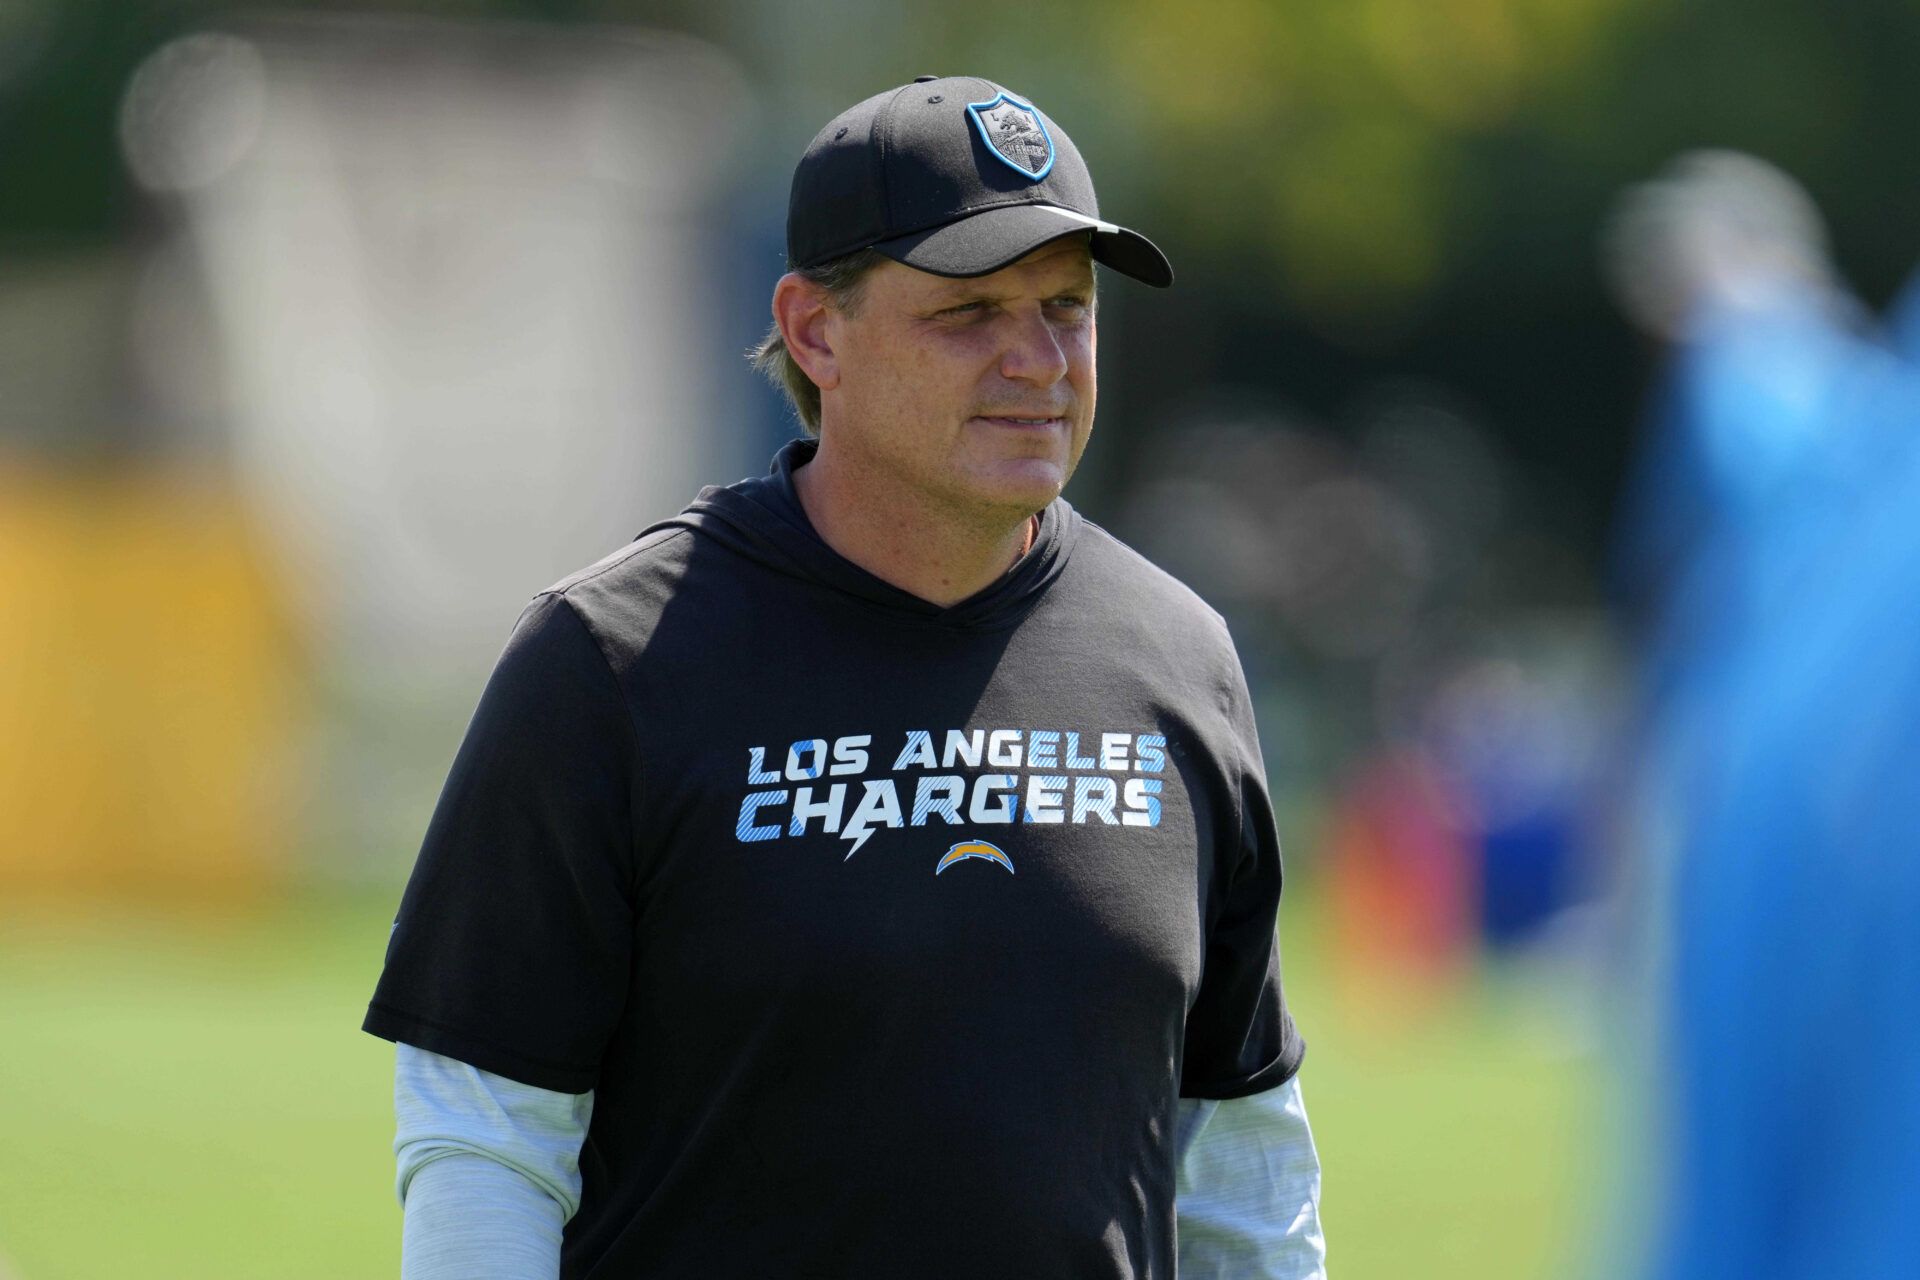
(1029, 423)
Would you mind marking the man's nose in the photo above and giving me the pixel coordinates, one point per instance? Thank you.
(1034, 352)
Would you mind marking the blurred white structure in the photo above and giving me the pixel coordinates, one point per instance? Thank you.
(446, 289)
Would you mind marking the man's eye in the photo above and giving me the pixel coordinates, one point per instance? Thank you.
(1070, 301)
(964, 308)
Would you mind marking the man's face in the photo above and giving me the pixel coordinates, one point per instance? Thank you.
(975, 394)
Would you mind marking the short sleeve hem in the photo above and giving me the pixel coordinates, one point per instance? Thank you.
(1276, 1073)
(389, 1023)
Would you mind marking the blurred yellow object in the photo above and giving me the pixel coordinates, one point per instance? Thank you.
(147, 692)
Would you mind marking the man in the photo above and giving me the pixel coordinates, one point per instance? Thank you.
(873, 863)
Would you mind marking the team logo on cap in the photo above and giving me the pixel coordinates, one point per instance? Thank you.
(1013, 131)
(973, 849)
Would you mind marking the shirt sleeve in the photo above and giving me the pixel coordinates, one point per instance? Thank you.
(1247, 1189)
(1240, 1039)
(512, 948)
(443, 1107)
(469, 1218)
(488, 1170)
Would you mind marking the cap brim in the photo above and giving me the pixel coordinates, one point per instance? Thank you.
(993, 238)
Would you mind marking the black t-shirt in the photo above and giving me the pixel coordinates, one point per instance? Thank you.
(886, 934)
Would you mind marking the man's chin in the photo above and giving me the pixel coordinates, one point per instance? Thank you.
(1020, 485)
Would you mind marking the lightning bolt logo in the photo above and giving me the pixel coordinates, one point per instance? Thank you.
(973, 849)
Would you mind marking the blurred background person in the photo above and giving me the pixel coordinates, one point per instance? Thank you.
(1774, 541)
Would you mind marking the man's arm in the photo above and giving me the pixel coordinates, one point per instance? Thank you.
(488, 1170)
(1247, 1189)
(471, 1218)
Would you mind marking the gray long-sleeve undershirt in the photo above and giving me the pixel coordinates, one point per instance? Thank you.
(488, 1171)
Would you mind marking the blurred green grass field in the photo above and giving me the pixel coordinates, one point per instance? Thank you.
(186, 1093)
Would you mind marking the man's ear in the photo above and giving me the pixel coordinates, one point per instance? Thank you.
(800, 309)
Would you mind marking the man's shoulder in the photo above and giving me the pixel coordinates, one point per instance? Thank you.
(1146, 590)
(655, 554)
(621, 597)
